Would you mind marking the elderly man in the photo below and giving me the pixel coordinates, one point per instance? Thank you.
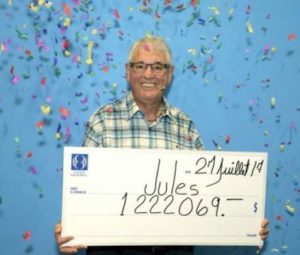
(142, 119)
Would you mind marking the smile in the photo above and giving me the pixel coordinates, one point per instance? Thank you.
(148, 85)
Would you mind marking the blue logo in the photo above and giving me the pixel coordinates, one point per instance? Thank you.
(80, 162)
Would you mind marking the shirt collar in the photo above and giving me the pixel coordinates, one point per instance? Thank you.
(133, 108)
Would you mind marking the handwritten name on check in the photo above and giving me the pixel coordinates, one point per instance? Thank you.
(163, 197)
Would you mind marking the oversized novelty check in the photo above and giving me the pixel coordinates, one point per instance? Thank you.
(162, 197)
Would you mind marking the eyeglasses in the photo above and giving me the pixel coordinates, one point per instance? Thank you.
(156, 68)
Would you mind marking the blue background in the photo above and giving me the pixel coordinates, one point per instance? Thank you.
(237, 76)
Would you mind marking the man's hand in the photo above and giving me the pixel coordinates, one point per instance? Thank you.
(264, 231)
(62, 240)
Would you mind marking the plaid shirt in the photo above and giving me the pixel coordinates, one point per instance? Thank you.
(122, 124)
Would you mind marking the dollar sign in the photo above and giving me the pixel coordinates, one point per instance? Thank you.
(255, 207)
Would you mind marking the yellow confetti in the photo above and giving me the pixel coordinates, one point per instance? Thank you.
(282, 147)
(41, 2)
(48, 4)
(289, 207)
(89, 59)
(33, 8)
(57, 136)
(192, 51)
(67, 22)
(9, 2)
(215, 10)
(230, 12)
(67, 53)
(94, 31)
(273, 102)
(46, 109)
(249, 27)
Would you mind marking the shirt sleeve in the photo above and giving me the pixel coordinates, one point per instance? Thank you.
(195, 136)
(93, 132)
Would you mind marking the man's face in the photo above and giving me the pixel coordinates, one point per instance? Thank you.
(147, 86)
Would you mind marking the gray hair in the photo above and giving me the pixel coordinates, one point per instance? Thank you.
(158, 44)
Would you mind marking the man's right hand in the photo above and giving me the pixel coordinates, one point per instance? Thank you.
(62, 240)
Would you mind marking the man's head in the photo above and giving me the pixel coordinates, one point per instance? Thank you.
(149, 69)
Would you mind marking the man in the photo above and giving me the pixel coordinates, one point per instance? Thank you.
(143, 119)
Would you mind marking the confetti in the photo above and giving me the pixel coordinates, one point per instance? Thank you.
(282, 147)
(27, 235)
(40, 124)
(157, 15)
(167, 2)
(180, 7)
(58, 134)
(67, 134)
(273, 102)
(89, 59)
(227, 139)
(201, 21)
(249, 27)
(192, 51)
(116, 14)
(15, 80)
(29, 154)
(230, 13)
(46, 109)
(292, 37)
(43, 81)
(289, 208)
(32, 169)
(215, 10)
(248, 10)
(65, 112)
(195, 2)
(66, 9)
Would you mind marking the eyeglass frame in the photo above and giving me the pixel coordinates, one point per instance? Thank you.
(165, 66)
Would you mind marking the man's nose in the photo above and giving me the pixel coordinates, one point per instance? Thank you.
(148, 71)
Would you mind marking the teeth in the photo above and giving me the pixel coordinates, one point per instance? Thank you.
(148, 85)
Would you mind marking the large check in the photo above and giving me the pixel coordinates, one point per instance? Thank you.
(162, 197)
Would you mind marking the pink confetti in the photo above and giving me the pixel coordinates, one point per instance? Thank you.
(27, 235)
(194, 2)
(227, 139)
(33, 170)
(67, 134)
(67, 9)
(29, 154)
(116, 14)
(43, 81)
(85, 100)
(167, 2)
(292, 37)
(65, 113)
(40, 124)
(146, 47)
(15, 80)
(12, 69)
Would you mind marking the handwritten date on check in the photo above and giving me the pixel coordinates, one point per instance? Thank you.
(162, 197)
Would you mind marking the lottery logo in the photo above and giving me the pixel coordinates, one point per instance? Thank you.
(80, 162)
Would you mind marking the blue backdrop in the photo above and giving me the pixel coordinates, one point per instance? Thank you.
(237, 76)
